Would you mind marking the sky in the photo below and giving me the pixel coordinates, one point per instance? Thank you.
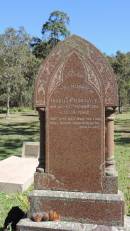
(105, 23)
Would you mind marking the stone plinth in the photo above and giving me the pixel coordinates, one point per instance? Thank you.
(47, 181)
(110, 184)
(28, 225)
(101, 209)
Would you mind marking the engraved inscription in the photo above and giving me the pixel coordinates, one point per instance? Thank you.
(79, 122)
(75, 111)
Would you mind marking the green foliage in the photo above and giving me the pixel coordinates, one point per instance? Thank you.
(7, 201)
(53, 31)
(55, 28)
(121, 66)
(18, 68)
(40, 48)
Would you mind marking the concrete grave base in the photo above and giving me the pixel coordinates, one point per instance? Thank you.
(102, 209)
(17, 174)
(28, 225)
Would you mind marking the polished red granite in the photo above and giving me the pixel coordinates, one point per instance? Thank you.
(74, 88)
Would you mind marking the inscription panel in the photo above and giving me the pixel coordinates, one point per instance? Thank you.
(75, 111)
(75, 136)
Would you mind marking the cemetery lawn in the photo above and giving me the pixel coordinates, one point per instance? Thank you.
(18, 128)
(122, 155)
(24, 126)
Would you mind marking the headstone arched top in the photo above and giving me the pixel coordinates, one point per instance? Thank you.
(95, 65)
(73, 67)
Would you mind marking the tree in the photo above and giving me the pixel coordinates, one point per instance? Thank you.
(121, 66)
(55, 28)
(15, 55)
(53, 31)
(40, 48)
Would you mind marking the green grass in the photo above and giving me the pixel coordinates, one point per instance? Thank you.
(7, 201)
(24, 126)
(122, 154)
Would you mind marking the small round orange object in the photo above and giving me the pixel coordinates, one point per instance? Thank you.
(57, 217)
(37, 217)
(54, 216)
(45, 216)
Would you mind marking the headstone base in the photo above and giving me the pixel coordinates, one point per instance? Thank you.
(92, 208)
(28, 225)
(46, 181)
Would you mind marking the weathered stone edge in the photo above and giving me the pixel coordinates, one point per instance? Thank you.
(26, 224)
(76, 195)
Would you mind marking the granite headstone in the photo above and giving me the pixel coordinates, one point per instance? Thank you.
(76, 97)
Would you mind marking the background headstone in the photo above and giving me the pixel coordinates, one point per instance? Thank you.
(30, 149)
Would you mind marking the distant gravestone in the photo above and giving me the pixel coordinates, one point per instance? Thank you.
(30, 149)
(76, 97)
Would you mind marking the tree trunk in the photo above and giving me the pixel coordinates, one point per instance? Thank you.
(8, 100)
(119, 105)
(120, 111)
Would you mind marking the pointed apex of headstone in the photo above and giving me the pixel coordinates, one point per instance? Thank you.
(93, 60)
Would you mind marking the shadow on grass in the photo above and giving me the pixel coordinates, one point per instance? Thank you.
(32, 115)
(14, 134)
(122, 140)
(124, 123)
(122, 131)
(19, 128)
